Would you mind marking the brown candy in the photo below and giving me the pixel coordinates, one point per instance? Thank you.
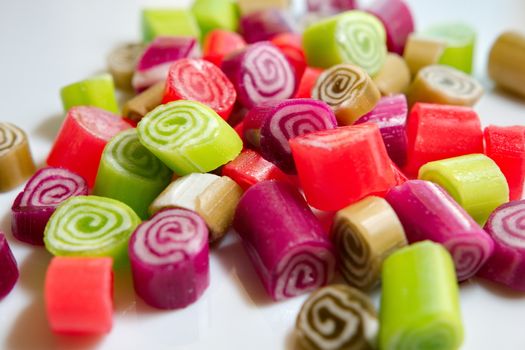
(394, 77)
(122, 62)
(143, 103)
(16, 162)
(421, 52)
(507, 62)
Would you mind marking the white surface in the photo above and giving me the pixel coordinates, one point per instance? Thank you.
(47, 44)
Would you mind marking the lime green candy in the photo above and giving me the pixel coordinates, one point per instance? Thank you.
(189, 137)
(474, 181)
(98, 91)
(168, 22)
(352, 37)
(130, 173)
(420, 300)
(91, 226)
(216, 14)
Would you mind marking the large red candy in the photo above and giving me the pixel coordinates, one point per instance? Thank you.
(220, 43)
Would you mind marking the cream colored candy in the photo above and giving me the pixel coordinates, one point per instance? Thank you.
(421, 52)
(122, 62)
(16, 162)
(394, 77)
(507, 62)
(143, 103)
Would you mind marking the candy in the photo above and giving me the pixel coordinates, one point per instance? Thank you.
(16, 162)
(507, 265)
(474, 181)
(122, 62)
(307, 83)
(330, 6)
(33, 207)
(264, 25)
(352, 37)
(437, 132)
(390, 115)
(188, 137)
(98, 91)
(272, 124)
(140, 105)
(506, 147)
(284, 240)
(506, 62)
(348, 90)
(202, 81)
(213, 197)
(170, 259)
(249, 6)
(341, 166)
(91, 226)
(337, 317)
(394, 76)
(364, 234)
(291, 45)
(420, 300)
(9, 271)
(260, 73)
(444, 85)
(215, 14)
(422, 51)
(220, 43)
(81, 140)
(78, 293)
(168, 22)
(427, 212)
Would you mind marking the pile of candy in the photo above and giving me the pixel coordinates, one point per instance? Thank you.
(234, 119)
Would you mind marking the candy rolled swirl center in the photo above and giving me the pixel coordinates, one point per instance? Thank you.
(10, 136)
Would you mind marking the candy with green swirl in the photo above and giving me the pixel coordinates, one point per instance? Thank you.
(129, 172)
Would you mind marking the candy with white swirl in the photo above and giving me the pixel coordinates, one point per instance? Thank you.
(122, 61)
(16, 162)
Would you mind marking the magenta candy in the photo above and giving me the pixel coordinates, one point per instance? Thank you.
(8, 268)
(264, 25)
(427, 212)
(284, 240)
(390, 114)
(33, 207)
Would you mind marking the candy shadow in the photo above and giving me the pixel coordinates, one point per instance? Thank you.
(500, 290)
(509, 95)
(48, 127)
(291, 342)
(33, 270)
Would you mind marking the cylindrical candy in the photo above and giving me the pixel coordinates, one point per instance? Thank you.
(169, 258)
(422, 51)
(394, 76)
(420, 300)
(98, 91)
(16, 162)
(143, 103)
(264, 25)
(506, 62)
(9, 271)
(220, 43)
(307, 83)
(172, 22)
(33, 207)
(284, 240)
(215, 14)
(122, 62)
(291, 45)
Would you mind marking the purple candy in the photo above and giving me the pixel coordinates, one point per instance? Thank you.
(8, 268)
(390, 114)
(260, 73)
(270, 125)
(284, 240)
(169, 258)
(427, 212)
(264, 25)
(330, 6)
(43, 193)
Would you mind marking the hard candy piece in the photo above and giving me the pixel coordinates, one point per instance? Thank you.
(307, 83)
(422, 51)
(9, 271)
(264, 25)
(16, 161)
(249, 6)
(506, 58)
(168, 22)
(220, 43)
(98, 91)
(215, 14)
(394, 76)
(122, 61)
(291, 45)
(143, 103)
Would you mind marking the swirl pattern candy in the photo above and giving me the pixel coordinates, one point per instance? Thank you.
(337, 317)
(122, 62)
(16, 162)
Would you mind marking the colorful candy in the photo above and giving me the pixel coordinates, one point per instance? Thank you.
(264, 25)
(16, 161)
(143, 103)
(215, 14)
(307, 83)
(33, 207)
(284, 240)
(291, 45)
(9, 271)
(394, 76)
(220, 43)
(98, 91)
(506, 62)
(168, 22)
(249, 6)
(122, 62)
(330, 6)
(170, 259)
(422, 51)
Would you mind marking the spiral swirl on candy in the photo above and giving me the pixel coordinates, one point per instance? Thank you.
(430, 335)
(453, 83)
(469, 252)
(507, 224)
(10, 137)
(339, 84)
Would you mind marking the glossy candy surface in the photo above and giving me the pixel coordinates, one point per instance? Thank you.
(16, 161)
(220, 43)
(98, 91)
(9, 271)
(168, 22)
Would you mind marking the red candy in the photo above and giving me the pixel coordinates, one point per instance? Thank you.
(505, 145)
(341, 166)
(307, 82)
(219, 44)
(438, 132)
(291, 45)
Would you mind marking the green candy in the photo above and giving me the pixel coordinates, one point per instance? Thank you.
(474, 181)
(98, 91)
(216, 14)
(91, 226)
(352, 37)
(130, 173)
(168, 22)
(189, 137)
(420, 300)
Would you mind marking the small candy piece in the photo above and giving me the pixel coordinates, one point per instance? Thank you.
(284, 240)
(140, 105)
(394, 76)
(420, 300)
(444, 85)
(506, 62)
(390, 115)
(98, 91)
(291, 45)
(169, 257)
(202, 81)
(307, 83)
(330, 6)
(91, 226)
(220, 43)
(348, 90)
(213, 197)
(270, 125)
(9, 271)
(352, 37)
(364, 234)
(168, 22)
(16, 162)
(341, 166)
(337, 317)
(264, 25)
(249, 6)
(122, 62)
(82, 138)
(79, 295)
(473, 180)
(260, 73)
(438, 132)
(507, 264)
(189, 137)
(33, 207)
(505, 145)
(427, 212)
(422, 51)
(215, 14)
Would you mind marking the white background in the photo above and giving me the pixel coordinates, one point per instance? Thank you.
(47, 44)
